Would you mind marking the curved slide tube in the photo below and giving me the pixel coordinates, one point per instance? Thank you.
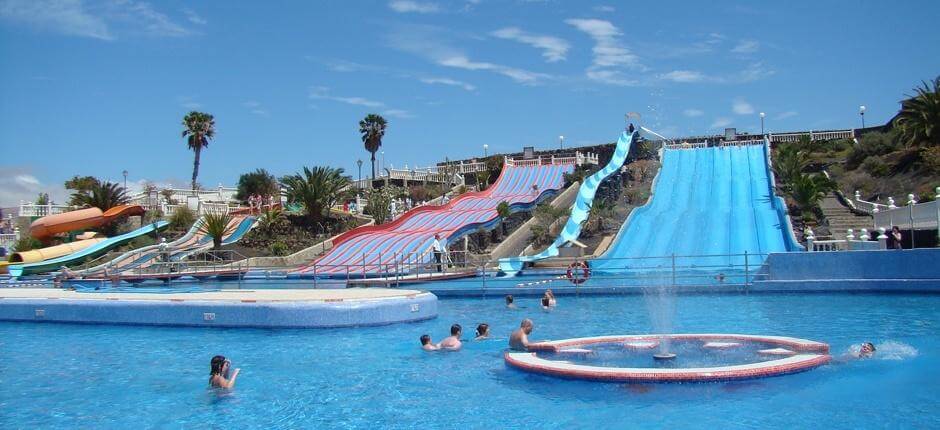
(715, 203)
(407, 240)
(48, 253)
(90, 252)
(579, 211)
(48, 226)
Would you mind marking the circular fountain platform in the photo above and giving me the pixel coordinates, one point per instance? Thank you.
(617, 358)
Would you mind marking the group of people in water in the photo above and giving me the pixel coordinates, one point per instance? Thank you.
(518, 340)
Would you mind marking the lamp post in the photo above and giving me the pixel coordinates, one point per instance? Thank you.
(359, 165)
(861, 113)
(125, 180)
(762, 115)
(485, 147)
(561, 142)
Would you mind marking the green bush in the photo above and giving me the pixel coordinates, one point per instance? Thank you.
(278, 249)
(151, 216)
(182, 218)
(141, 241)
(876, 166)
(872, 144)
(931, 159)
(26, 243)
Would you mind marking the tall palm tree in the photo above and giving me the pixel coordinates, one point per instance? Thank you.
(919, 119)
(317, 189)
(807, 190)
(200, 128)
(372, 128)
(101, 195)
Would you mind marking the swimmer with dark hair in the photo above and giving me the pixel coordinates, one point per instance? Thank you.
(867, 350)
(452, 342)
(483, 331)
(546, 303)
(219, 373)
(509, 302)
(426, 343)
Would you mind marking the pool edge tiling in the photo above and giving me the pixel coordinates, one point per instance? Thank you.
(233, 308)
(811, 355)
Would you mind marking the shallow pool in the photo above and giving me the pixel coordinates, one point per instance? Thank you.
(58, 375)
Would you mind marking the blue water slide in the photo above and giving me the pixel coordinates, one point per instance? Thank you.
(579, 211)
(710, 206)
(90, 252)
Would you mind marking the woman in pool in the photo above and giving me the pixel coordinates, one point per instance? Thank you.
(219, 370)
(483, 331)
(551, 297)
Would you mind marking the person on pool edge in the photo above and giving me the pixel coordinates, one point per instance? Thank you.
(439, 249)
(218, 373)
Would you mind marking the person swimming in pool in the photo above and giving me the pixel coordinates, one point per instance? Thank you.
(426, 343)
(218, 373)
(452, 342)
(483, 332)
(867, 350)
(546, 304)
(551, 297)
(509, 302)
(519, 340)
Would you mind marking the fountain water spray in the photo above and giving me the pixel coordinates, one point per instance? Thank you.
(661, 305)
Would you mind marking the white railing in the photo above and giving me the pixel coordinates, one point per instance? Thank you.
(913, 215)
(850, 243)
(685, 145)
(8, 239)
(578, 158)
(869, 207)
(34, 210)
(151, 198)
(813, 135)
(745, 142)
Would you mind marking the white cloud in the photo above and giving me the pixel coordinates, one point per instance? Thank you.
(448, 81)
(193, 17)
(746, 47)
(518, 75)
(406, 6)
(721, 123)
(63, 16)
(397, 113)
(19, 183)
(693, 112)
(683, 76)
(71, 17)
(742, 107)
(604, 8)
(323, 93)
(255, 108)
(752, 72)
(553, 48)
(609, 54)
(787, 114)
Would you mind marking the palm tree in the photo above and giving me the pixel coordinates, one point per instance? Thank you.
(919, 119)
(807, 190)
(503, 210)
(788, 164)
(216, 225)
(483, 179)
(200, 128)
(372, 128)
(101, 195)
(316, 189)
(600, 210)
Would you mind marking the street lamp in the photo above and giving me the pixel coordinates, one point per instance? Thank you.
(125, 180)
(561, 142)
(485, 147)
(359, 165)
(861, 113)
(762, 115)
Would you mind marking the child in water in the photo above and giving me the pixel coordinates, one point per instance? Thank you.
(426, 343)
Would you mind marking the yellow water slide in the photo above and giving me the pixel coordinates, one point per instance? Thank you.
(42, 254)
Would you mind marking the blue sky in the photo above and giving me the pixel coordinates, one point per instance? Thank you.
(98, 86)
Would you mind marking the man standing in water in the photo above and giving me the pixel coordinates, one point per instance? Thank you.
(519, 340)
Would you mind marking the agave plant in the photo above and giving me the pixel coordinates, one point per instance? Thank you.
(200, 129)
(317, 189)
(216, 225)
(372, 128)
(919, 119)
(101, 195)
(270, 216)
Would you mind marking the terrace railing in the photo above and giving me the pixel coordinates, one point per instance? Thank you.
(34, 210)
(911, 216)
(812, 135)
(862, 242)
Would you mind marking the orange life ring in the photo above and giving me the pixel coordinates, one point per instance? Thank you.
(578, 272)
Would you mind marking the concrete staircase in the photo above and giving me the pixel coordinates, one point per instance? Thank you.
(842, 218)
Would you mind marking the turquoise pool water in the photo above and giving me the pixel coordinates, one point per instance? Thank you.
(58, 375)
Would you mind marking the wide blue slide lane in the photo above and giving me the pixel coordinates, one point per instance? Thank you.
(709, 206)
(580, 210)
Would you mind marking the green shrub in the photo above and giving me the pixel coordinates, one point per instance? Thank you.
(278, 249)
(151, 216)
(216, 225)
(872, 144)
(931, 159)
(141, 241)
(876, 166)
(182, 218)
(26, 243)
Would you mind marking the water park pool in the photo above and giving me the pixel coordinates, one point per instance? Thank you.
(101, 376)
